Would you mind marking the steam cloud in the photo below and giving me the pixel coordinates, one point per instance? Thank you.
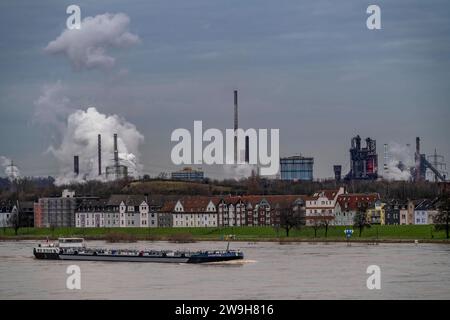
(80, 138)
(238, 171)
(78, 131)
(11, 171)
(399, 154)
(53, 106)
(87, 47)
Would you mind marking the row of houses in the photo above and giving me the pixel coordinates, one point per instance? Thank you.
(337, 207)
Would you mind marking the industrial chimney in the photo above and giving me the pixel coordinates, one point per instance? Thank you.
(418, 146)
(417, 175)
(337, 172)
(116, 151)
(76, 165)
(386, 158)
(236, 125)
(99, 154)
(247, 149)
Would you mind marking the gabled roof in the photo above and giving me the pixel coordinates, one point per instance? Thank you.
(426, 204)
(284, 200)
(397, 202)
(168, 206)
(195, 204)
(352, 199)
(257, 199)
(329, 194)
(129, 200)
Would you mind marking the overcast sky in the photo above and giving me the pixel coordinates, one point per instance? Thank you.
(310, 68)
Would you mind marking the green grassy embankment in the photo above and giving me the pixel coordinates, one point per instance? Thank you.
(380, 233)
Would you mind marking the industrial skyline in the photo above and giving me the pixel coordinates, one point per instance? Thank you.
(311, 69)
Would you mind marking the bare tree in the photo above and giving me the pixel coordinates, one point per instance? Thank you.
(316, 224)
(442, 219)
(360, 220)
(325, 221)
(291, 218)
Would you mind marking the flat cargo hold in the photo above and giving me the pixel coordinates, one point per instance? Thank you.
(76, 250)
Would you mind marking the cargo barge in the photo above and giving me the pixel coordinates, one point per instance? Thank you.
(75, 249)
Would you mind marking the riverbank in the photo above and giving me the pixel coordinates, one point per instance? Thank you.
(384, 234)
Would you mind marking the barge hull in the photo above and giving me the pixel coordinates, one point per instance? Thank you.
(80, 257)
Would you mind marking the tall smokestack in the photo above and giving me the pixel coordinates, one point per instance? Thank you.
(236, 125)
(116, 151)
(418, 145)
(247, 149)
(76, 165)
(386, 158)
(99, 154)
(417, 159)
(337, 172)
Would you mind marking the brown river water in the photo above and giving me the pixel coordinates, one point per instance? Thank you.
(270, 271)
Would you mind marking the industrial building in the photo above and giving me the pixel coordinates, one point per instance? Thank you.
(337, 169)
(297, 168)
(188, 174)
(363, 161)
(422, 164)
(438, 162)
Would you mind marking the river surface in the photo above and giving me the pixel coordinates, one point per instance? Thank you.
(270, 271)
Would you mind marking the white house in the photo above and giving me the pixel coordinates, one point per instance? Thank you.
(425, 211)
(119, 211)
(322, 205)
(7, 210)
(194, 212)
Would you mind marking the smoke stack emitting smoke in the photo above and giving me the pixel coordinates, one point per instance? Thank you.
(82, 136)
(11, 171)
(238, 171)
(399, 160)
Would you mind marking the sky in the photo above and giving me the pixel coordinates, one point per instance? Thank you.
(311, 69)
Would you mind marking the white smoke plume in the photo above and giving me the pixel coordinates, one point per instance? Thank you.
(53, 106)
(399, 154)
(87, 47)
(80, 138)
(11, 171)
(237, 171)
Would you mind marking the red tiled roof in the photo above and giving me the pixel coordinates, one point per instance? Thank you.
(195, 203)
(168, 206)
(353, 199)
(330, 194)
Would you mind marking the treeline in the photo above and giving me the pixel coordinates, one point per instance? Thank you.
(31, 189)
